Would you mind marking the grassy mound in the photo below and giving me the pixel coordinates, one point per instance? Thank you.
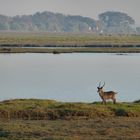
(35, 109)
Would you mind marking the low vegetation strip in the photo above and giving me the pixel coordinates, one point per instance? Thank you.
(14, 42)
(58, 50)
(64, 39)
(35, 109)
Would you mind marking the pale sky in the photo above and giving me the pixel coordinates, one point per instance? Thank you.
(89, 8)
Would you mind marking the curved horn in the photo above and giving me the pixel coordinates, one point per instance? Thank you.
(103, 85)
(99, 84)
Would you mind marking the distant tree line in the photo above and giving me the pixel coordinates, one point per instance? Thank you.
(108, 23)
(47, 21)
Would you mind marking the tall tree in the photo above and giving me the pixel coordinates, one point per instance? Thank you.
(116, 22)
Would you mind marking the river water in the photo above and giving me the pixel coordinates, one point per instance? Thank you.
(71, 77)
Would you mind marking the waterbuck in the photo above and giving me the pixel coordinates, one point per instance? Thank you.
(106, 95)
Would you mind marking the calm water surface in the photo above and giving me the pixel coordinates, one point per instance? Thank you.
(69, 77)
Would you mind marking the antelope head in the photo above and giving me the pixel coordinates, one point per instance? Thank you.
(100, 88)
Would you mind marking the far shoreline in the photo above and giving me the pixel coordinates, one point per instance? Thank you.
(66, 49)
(18, 42)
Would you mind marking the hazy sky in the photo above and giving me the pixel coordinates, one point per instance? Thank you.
(90, 8)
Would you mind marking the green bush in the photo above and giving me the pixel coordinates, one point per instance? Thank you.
(137, 101)
(121, 112)
(4, 133)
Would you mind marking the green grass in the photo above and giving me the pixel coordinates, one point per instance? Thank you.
(15, 42)
(97, 128)
(57, 50)
(34, 109)
(34, 119)
(60, 39)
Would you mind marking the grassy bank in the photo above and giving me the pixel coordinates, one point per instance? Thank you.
(35, 119)
(57, 50)
(70, 50)
(64, 39)
(33, 109)
(67, 43)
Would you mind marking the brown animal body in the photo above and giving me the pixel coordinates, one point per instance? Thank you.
(106, 95)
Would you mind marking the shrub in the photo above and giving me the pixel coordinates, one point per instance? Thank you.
(137, 101)
(4, 133)
(121, 112)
